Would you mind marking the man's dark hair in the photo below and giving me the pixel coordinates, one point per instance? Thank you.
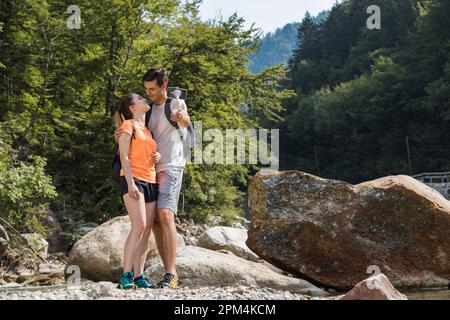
(158, 74)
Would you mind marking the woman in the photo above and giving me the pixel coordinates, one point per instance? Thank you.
(138, 187)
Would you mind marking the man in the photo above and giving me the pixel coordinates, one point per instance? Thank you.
(169, 171)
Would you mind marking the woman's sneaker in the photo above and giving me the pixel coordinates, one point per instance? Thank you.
(126, 281)
(169, 281)
(143, 283)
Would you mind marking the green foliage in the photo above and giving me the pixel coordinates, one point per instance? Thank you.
(25, 193)
(61, 88)
(362, 93)
(277, 47)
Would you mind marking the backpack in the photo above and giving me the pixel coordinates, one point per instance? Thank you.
(116, 164)
(190, 138)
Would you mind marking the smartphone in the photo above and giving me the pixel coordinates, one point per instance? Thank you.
(184, 92)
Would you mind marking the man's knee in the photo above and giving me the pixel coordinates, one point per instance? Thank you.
(166, 217)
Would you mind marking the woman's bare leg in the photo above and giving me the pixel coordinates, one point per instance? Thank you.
(141, 251)
(136, 211)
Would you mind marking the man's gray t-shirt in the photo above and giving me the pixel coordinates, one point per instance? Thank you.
(170, 144)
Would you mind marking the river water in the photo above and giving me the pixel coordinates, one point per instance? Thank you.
(428, 295)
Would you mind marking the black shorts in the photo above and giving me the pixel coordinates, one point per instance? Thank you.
(149, 190)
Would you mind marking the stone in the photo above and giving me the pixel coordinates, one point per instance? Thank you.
(333, 233)
(4, 241)
(200, 267)
(374, 288)
(86, 228)
(10, 277)
(99, 254)
(56, 241)
(51, 279)
(25, 276)
(12, 285)
(191, 241)
(101, 290)
(241, 223)
(240, 290)
(226, 238)
(85, 282)
(50, 268)
(38, 243)
(3, 246)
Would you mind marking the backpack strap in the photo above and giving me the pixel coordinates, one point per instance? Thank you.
(168, 113)
(148, 115)
(133, 135)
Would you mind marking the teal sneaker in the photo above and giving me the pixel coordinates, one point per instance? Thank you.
(143, 283)
(126, 281)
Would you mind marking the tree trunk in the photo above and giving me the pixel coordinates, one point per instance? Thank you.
(109, 92)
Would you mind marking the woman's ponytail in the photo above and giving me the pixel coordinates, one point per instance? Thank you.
(118, 118)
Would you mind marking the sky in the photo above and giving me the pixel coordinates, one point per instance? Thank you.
(266, 14)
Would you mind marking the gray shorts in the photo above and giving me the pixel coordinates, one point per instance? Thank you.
(169, 187)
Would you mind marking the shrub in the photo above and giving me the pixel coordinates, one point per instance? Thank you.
(25, 192)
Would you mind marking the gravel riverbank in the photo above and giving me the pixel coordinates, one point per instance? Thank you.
(108, 291)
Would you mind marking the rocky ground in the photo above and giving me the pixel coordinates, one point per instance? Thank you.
(108, 291)
(213, 263)
(46, 282)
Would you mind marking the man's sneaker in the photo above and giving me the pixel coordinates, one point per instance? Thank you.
(169, 281)
(143, 283)
(126, 281)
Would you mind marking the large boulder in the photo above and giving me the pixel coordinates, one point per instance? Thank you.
(200, 267)
(99, 254)
(226, 238)
(377, 287)
(334, 233)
